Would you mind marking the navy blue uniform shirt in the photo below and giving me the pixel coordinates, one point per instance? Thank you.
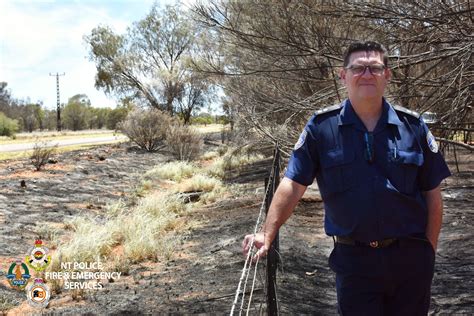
(371, 183)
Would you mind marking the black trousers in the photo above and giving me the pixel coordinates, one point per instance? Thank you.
(395, 280)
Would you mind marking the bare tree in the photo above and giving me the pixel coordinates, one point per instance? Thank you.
(279, 59)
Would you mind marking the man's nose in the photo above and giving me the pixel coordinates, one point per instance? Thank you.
(367, 73)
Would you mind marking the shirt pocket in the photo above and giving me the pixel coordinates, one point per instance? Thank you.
(337, 170)
(404, 170)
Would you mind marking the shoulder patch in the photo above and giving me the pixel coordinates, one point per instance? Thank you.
(432, 144)
(328, 109)
(301, 140)
(407, 111)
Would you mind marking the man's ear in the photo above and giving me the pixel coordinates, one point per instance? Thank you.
(342, 75)
(388, 74)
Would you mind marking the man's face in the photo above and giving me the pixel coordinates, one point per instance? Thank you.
(366, 85)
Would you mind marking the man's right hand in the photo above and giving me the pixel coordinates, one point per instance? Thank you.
(258, 242)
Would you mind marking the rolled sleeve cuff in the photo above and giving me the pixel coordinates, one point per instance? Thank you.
(298, 178)
(435, 182)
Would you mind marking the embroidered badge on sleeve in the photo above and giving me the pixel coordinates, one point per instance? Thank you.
(432, 144)
(301, 140)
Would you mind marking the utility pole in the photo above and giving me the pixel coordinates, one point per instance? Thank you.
(58, 111)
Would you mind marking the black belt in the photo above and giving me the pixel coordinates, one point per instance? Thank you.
(374, 244)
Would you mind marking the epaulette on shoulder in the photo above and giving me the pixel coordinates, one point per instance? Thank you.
(328, 109)
(407, 111)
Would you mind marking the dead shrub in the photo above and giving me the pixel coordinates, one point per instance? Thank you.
(42, 151)
(146, 128)
(184, 142)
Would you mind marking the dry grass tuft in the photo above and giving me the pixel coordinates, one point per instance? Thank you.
(211, 197)
(210, 155)
(199, 183)
(176, 171)
(42, 151)
(231, 160)
(145, 232)
(91, 238)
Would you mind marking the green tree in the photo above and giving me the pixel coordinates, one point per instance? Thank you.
(116, 116)
(39, 114)
(5, 98)
(31, 116)
(196, 94)
(99, 117)
(76, 112)
(151, 62)
(49, 121)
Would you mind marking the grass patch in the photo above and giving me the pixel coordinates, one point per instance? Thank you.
(144, 232)
(115, 208)
(199, 183)
(90, 239)
(50, 136)
(230, 161)
(213, 196)
(50, 232)
(210, 155)
(27, 153)
(15, 155)
(175, 170)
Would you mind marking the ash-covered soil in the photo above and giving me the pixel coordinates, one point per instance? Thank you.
(204, 272)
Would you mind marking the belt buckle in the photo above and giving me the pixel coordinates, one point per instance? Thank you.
(374, 244)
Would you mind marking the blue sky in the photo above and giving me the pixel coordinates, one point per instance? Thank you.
(39, 37)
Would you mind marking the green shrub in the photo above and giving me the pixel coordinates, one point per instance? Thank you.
(146, 128)
(8, 127)
(204, 120)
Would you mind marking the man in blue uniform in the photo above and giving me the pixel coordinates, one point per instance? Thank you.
(378, 170)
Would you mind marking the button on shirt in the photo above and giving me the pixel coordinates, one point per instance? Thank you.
(376, 196)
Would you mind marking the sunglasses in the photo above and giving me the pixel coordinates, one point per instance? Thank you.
(375, 70)
(369, 147)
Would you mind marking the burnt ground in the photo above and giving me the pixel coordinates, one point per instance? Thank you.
(203, 274)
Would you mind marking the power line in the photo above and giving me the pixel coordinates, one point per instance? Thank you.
(58, 105)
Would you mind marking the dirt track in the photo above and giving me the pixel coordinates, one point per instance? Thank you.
(203, 275)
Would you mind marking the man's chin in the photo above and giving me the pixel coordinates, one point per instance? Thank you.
(369, 96)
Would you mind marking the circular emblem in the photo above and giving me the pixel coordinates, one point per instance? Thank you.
(18, 275)
(432, 144)
(38, 258)
(301, 140)
(38, 294)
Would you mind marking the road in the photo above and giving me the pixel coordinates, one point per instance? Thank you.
(63, 143)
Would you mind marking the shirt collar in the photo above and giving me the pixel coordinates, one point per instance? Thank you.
(348, 116)
(392, 115)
